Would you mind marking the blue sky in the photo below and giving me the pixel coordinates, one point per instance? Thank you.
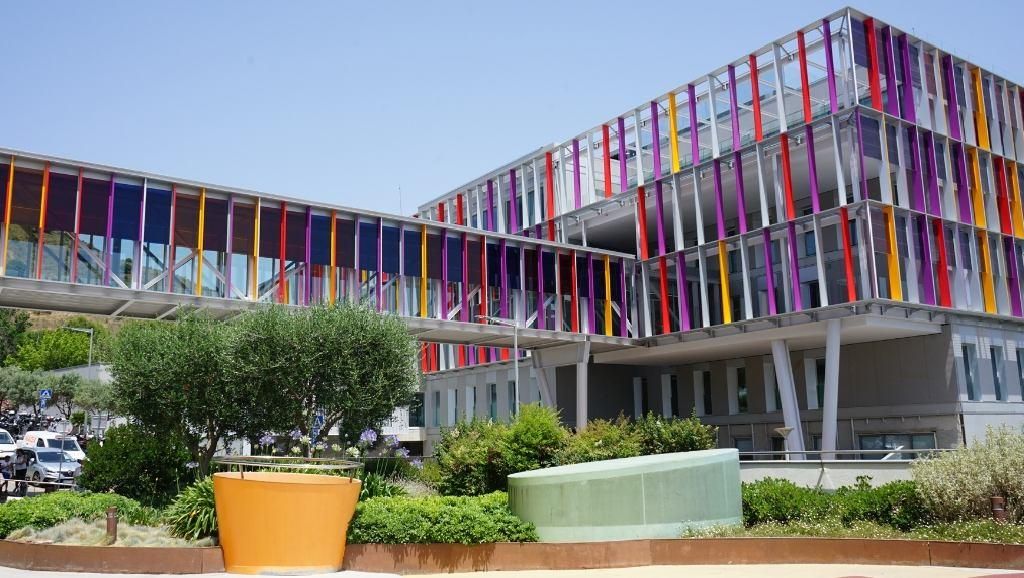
(345, 102)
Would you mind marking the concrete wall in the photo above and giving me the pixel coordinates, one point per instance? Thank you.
(827, 475)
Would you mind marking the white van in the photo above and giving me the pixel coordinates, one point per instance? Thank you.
(49, 439)
(7, 445)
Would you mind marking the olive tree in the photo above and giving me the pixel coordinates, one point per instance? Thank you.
(349, 363)
(172, 378)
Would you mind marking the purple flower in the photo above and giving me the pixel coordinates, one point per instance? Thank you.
(296, 434)
(402, 452)
(417, 463)
(368, 437)
(391, 441)
(266, 440)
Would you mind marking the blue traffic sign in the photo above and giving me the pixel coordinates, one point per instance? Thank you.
(45, 394)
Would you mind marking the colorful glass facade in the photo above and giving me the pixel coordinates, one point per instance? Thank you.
(847, 161)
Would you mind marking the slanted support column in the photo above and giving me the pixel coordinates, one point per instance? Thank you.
(547, 398)
(582, 386)
(830, 411)
(787, 391)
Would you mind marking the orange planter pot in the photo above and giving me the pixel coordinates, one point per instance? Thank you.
(283, 523)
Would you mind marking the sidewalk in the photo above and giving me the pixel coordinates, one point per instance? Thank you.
(738, 571)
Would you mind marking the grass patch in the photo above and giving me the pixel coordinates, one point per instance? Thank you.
(77, 532)
(972, 531)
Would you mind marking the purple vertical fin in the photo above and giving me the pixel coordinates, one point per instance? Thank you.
(953, 110)
(656, 139)
(513, 209)
(892, 100)
(541, 310)
(464, 310)
(812, 168)
(934, 201)
(719, 206)
(794, 268)
(741, 193)
(830, 71)
(684, 294)
(503, 278)
(659, 218)
(916, 188)
(769, 276)
(734, 109)
(962, 192)
(1012, 275)
(927, 272)
(908, 84)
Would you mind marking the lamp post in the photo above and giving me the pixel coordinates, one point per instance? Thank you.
(515, 347)
(88, 330)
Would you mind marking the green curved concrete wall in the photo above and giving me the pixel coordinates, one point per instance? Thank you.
(645, 497)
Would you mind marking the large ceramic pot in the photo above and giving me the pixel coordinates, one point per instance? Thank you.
(282, 522)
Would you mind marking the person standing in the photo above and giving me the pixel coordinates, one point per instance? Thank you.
(20, 468)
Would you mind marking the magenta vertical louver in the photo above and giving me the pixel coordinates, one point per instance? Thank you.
(541, 309)
(741, 192)
(623, 167)
(769, 272)
(892, 101)
(659, 218)
(926, 273)
(656, 139)
(962, 192)
(953, 106)
(830, 70)
(916, 186)
(794, 267)
(684, 294)
(513, 209)
(734, 109)
(719, 205)
(503, 274)
(908, 80)
(1012, 275)
(934, 201)
(464, 309)
(812, 168)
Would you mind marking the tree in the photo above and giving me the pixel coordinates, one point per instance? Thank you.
(64, 388)
(25, 386)
(51, 349)
(95, 396)
(137, 464)
(13, 327)
(348, 362)
(172, 379)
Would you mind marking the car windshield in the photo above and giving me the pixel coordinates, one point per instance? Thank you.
(64, 444)
(54, 457)
(5, 438)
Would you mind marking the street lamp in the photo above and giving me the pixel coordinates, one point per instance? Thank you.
(88, 330)
(515, 347)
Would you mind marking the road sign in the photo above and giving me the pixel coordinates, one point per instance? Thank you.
(318, 424)
(45, 394)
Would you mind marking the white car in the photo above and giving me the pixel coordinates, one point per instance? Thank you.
(7, 445)
(57, 441)
(55, 466)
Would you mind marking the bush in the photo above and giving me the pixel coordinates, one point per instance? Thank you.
(193, 514)
(659, 435)
(957, 485)
(532, 441)
(137, 464)
(375, 485)
(442, 520)
(601, 440)
(772, 501)
(780, 501)
(469, 458)
(49, 510)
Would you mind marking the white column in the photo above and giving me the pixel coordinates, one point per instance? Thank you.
(829, 413)
(787, 391)
(546, 395)
(666, 395)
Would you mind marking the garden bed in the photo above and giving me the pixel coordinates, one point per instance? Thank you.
(430, 558)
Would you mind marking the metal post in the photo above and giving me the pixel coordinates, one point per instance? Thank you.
(515, 364)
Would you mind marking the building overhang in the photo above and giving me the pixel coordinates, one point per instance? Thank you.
(862, 322)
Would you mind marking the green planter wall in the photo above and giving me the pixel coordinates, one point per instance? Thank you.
(644, 497)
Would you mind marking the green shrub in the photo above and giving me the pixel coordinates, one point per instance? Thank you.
(601, 440)
(957, 485)
(137, 464)
(972, 531)
(659, 435)
(532, 441)
(49, 510)
(781, 501)
(193, 514)
(436, 519)
(897, 504)
(469, 458)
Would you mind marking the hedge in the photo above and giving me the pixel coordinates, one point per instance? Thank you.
(49, 510)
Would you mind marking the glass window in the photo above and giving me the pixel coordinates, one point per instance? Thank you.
(997, 372)
(706, 376)
(971, 371)
(819, 376)
(1020, 369)
(416, 410)
(917, 441)
(741, 389)
(673, 386)
(437, 409)
(470, 403)
(744, 445)
(512, 398)
(492, 405)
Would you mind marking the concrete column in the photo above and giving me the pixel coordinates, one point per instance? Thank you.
(546, 397)
(582, 388)
(830, 411)
(787, 391)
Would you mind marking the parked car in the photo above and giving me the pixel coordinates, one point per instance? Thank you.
(7, 445)
(49, 439)
(51, 465)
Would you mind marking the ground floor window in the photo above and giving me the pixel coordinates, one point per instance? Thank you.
(744, 445)
(917, 441)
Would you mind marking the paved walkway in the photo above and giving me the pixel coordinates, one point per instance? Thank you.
(738, 571)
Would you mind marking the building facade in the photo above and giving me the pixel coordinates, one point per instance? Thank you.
(828, 237)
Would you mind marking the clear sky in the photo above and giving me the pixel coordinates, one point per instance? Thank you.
(345, 102)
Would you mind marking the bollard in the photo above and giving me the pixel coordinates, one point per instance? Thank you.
(111, 525)
(998, 509)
